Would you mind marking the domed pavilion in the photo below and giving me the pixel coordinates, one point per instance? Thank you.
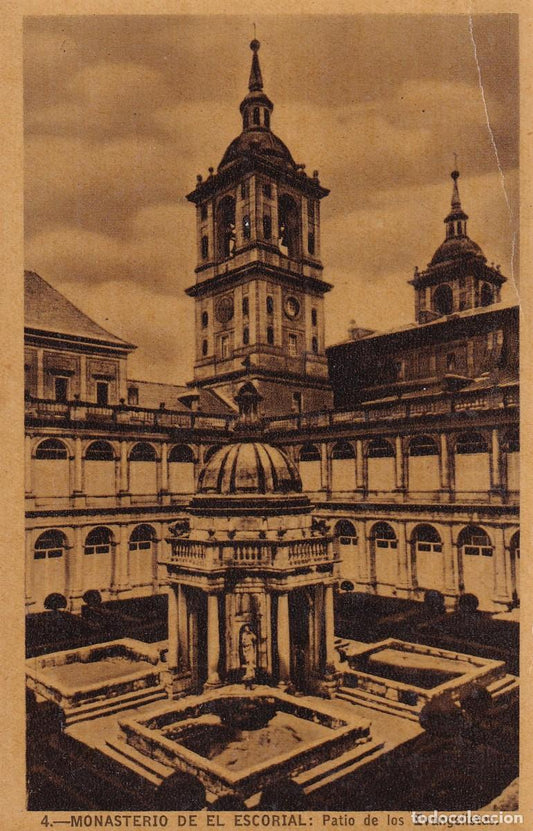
(250, 575)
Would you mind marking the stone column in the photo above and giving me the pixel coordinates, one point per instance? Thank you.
(446, 466)
(173, 629)
(503, 592)
(399, 465)
(78, 468)
(325, 469)
(30, 562)
(28, 467)
(182, 625)
(284, 639)
(405, 577)
(75, 568)
(450, 554)
(495, 461)
(329, 629)
(213, 641)
(121, 578)
(359, 466)
(83, 377)
(163, 480)
(40, 374)
(123, 472)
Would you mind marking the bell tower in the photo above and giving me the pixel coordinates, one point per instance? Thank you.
(259, 292)
(458, 277)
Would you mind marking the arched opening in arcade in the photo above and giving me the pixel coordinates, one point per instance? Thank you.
(346, 543)
(381, 466)
(142, 555)
(472, 464)
(181, 469)
(143, 471)
(51, 476)
(423, 464)
(477, 564)
(49, 565)
(309, 465)
(98, 559)
(384, 551)
(343, 467)
(427, 557)
(99, 469)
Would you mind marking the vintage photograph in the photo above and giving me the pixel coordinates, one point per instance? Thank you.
(271, 405)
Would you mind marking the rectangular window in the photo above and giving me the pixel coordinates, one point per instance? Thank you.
(61, 388)
(293, 345)
(102, 393)
(267, 191)
(246, 227)
(224, 346)
(133, 396)
(297, 402)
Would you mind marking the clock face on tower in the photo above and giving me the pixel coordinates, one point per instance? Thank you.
(292, 308)
(224, 309)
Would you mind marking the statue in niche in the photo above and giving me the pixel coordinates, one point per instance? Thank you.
(248, 650)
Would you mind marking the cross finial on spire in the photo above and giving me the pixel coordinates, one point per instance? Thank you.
(455, 160)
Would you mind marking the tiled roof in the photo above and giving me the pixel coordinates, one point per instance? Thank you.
(47, 310)
(152, 394)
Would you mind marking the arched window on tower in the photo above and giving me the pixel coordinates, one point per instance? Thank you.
(267, 119)
(443, 300)
(486, 296)
(289, 226)
(226, 228)
(256, 116)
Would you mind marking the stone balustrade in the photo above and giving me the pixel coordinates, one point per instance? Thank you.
(250, 553)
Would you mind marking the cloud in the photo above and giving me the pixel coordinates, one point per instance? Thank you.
(122, 112)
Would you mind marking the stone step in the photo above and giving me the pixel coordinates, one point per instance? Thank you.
(333, 769)
(501, 687)
(132, 764)
(95, 709)
(376, 702)
(145, 766)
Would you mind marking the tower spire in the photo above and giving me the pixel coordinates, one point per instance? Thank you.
(456, 219)
(255, 84)
(456, 200)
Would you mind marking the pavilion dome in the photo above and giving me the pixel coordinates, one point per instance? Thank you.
(249, 468)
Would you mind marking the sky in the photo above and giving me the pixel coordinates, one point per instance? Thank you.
(122, 113)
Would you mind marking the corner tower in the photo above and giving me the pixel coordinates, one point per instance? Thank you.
(259, 290)
(458, 277)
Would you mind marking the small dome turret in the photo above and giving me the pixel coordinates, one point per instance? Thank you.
(457, 243)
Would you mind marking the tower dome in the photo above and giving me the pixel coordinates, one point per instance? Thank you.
(457, 244)
(249, 468)
(256, 136)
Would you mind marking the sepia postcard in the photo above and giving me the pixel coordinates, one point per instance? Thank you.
(262, 470)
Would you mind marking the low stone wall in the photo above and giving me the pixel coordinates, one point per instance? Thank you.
(147, 737)
(40, 673)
